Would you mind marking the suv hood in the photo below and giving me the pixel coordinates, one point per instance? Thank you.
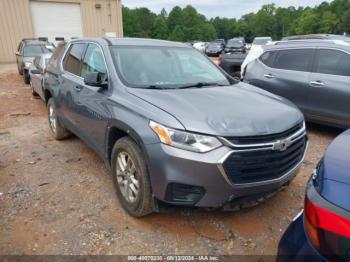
(238, 110)
(28, 59)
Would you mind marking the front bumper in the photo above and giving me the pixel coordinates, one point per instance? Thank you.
(213, 52)
(169, 165)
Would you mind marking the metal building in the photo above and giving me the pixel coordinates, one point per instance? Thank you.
(55, 19)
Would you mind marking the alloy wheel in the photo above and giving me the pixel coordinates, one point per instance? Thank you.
(127, 177)
(52, 118)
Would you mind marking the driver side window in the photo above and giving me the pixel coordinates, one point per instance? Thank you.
(93, 61)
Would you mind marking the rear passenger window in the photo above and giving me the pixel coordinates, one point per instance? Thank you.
(294, 59)
(333, 62)
(268, 57)
(72, 60)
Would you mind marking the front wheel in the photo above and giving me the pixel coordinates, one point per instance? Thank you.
(33, 91)
(131, 178)
(58, 130)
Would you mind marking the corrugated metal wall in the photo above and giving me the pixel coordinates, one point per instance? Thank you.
(16, 21)
(15, 24)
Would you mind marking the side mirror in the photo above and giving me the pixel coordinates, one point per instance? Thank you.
(95, 79)
(35, 72)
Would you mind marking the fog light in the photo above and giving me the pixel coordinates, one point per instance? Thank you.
(184, 194)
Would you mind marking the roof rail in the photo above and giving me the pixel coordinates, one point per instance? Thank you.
(331, 41)
(107, 40)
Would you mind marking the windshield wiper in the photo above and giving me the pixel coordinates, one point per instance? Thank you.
(200, 84)
(154, 87)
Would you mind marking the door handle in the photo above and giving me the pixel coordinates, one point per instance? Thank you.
(316, 83)
(78, 88)
(269, 76)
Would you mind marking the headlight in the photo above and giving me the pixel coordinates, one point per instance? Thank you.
(27, 64)
(185, 140)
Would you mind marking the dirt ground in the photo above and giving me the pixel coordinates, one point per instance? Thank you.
(58, 198)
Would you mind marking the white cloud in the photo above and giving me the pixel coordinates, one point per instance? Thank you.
(213, 8)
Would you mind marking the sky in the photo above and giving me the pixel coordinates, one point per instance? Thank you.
(222, 8)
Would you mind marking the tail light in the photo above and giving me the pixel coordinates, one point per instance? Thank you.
(329, 232)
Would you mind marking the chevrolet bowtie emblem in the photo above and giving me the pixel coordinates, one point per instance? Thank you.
(281, 145)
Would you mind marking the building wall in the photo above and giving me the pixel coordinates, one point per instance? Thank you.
(16, 22)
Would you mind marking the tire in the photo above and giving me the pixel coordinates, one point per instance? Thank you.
(26, 78)
(59, 132)
(236, 75)
(20, 70)
(35, 94)
(140, 204)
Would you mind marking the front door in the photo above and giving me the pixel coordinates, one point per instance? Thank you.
(91, 103)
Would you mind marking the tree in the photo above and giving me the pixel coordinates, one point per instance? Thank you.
(208, 32)
(160, 28)
(177, 34)
(309, 23)
(187, 24)
(329, 23)
(163, 13)
(344, 26)
(174, 18)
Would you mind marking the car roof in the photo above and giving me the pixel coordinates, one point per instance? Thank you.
(237, 38)
(128, 41)
(36, 42)
(311, 43)
(317, 36)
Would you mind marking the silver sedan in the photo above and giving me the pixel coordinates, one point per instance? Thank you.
(36, 74)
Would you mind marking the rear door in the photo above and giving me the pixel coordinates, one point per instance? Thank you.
(287, 74)
(329, 89)
(70, 85)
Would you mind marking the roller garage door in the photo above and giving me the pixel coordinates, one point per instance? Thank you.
(56, 20)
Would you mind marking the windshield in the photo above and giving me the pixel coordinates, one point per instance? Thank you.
(234, 43)
(166, 67)
(214, 45)
(261, 41)
(35, 50)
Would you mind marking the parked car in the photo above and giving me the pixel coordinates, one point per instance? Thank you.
(231, 63)
(36, 74)
(322, 231)
(221, 40)
(314, 74)
(214, 49)
(201, 46)
(172, 127)
(235, 45)
(262, 40)
(27, 50)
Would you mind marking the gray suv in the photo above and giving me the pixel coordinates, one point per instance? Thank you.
(172, 127)
(313, 74)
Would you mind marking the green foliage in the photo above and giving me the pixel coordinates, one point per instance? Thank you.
(186, 24)
(160, 28)
(177, 34)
